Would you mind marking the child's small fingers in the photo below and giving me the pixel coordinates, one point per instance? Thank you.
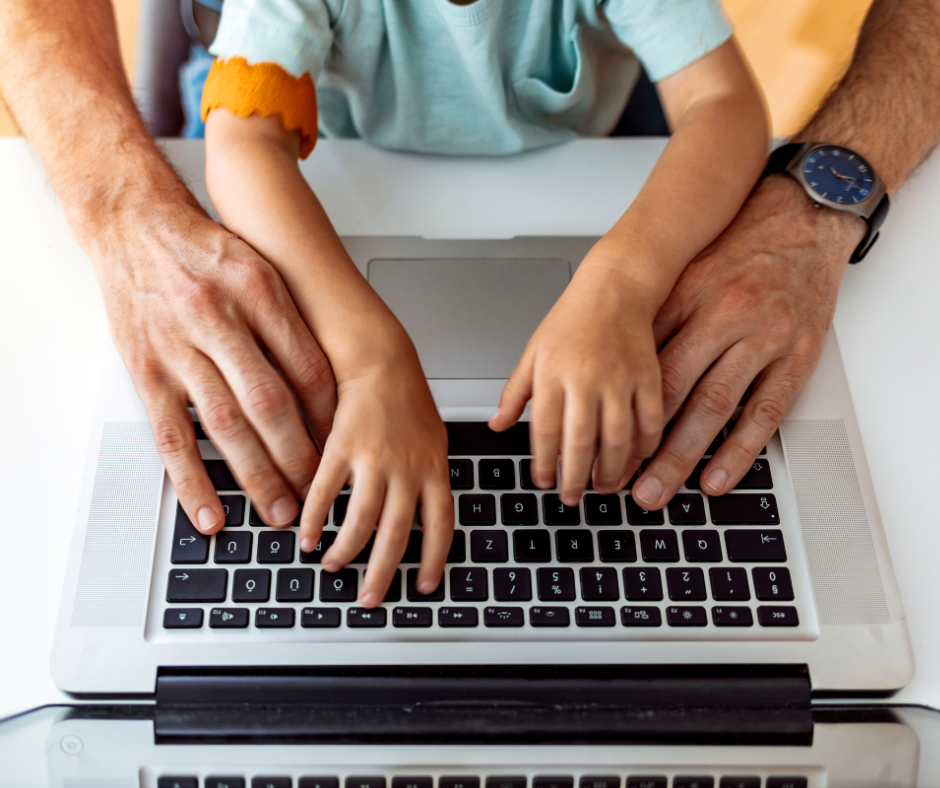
(548, 405)
(615, 445)
(579, 445)
(437, 516)
(391, 539)
(516, 393)
(326, 486)
(365, 505)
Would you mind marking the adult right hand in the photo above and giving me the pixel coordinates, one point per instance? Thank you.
(198, 316)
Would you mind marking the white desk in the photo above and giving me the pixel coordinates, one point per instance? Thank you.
(52, 324)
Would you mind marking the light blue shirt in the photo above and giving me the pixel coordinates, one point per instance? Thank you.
(494, 77)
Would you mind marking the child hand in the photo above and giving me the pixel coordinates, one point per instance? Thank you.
(389, 444)
(592, 374)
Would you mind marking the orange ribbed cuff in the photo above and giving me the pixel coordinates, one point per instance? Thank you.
(264, 89)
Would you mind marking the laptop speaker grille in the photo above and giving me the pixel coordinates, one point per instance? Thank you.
(115, 569)
(842, 562)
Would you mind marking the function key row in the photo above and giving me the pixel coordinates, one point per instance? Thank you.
(469, 617)
(472, 584)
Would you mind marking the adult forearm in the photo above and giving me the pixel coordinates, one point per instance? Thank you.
(886, 107)
(61, 74)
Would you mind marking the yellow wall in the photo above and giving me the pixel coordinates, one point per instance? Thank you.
(798, 48)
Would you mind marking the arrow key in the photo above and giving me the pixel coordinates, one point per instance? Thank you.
(755, 546)
(182, 618)
(228, 617)
(196, 585)
(189, 546)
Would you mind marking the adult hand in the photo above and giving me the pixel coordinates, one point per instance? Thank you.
(198, 316)
(753, 307)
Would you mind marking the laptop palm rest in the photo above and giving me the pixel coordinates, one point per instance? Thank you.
(469, 319)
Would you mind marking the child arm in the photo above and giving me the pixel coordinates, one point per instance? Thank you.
(591, 367)
(387, 441)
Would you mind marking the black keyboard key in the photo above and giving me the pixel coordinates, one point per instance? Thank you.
(503, 616)
(739, 782)
(340, 505)
(557, 513)
(757, 547)
(315, 556)
(772, 583)
(228, 617)
(599, 584)
(686, 616)
(274, 617)
(254, 518)
(525, 475)
(412, 617)
(497, 475)
(659, 546)
(411, 589)
(732, 617)
(272, 782)
(461, 474)
(574, 546)
(758, 477)
(341, 586)
(233, 547)
(234, 506)
(477, 509)
(225, 782)
(318, 782)
(549, 617)
(702, 546)
(647, 782)
(458, 782)
(599, 781)
(455, 617)
(512, 585)
(251, 585)
(519, 509)
(641, 617)
(594, 616)
(361, 618)
(642, 584)
(787, 782)
(189, 546)
(729, 584)
(320, 617)
(777, 616)
(637, 515)
(178, 782)
(294, 585)
(182, 618)
(196, 585)
(602, 509)
(468, 584)
(687, 509)
(505, 782)
(694, 482)
(555, 585)
(686, 584)
(275, 547)
(552, 782)
(220, 475)
(693, 782)
(413, 550)
(744, 509)
(616, 547)
(394, 588)
(365, 782)
(489, 547)
(531, 547)
(458, 548)
(412, 782)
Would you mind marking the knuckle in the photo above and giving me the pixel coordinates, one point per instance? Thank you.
(671, 381)
(313, 372)
(716, 398)
(768, 412)
(223, 418)
(173, 438)
(267, 399)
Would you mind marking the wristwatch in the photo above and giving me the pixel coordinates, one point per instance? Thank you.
(839, 178)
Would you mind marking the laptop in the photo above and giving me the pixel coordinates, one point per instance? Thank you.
(123, 747)
(754, 603)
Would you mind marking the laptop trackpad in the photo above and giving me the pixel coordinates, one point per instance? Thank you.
(469, 318)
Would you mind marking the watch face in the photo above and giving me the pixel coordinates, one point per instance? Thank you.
(839, 175)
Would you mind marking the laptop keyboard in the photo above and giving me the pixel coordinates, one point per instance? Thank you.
(520, 560)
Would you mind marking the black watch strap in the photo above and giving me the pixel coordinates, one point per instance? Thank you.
(782, 157)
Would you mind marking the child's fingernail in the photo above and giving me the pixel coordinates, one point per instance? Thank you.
(426, 587)
(649, 489)
(207, 518)
(717, 479)
(283, 511)
(307, 545)
(370, 600)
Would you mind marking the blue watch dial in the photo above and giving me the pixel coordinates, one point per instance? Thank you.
(838, 175)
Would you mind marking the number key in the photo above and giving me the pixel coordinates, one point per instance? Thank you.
(772, 583)
(729, 585)
(555, 584)
(512, 585)
(599, 584)
(686, 584)
(640, 584)
(468, 584)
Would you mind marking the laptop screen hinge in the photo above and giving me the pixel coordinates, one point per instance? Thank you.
(480, 704)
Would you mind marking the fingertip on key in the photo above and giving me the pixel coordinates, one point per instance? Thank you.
(207, 518)
(649, 491)
(307, 545)
(370, 600)
(284, 511)
(716, 480)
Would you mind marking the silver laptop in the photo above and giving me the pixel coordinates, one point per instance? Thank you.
(786, 580)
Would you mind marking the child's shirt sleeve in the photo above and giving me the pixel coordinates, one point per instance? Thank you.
(668, 35)
(269, 54)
